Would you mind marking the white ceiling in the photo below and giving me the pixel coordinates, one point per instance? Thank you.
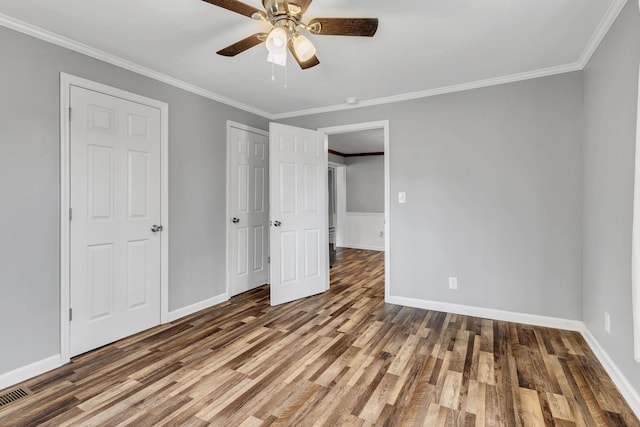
(421, 47)
(363, 141)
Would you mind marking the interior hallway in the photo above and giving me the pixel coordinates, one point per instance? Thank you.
(340, 358)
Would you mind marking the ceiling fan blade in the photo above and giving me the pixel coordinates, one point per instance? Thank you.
(311, 62)
(302, 4)
(363, 27)
(243, 45)
(236, 6)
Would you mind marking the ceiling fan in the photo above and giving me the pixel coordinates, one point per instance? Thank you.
(286, 18)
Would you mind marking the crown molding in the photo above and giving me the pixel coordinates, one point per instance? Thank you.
(48, 36)
(607, 21)
(437, 91)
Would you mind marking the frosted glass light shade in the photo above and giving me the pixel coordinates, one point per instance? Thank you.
(305, 50)
(277, 40)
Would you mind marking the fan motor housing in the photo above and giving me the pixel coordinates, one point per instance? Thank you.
(282, 14)
(275, 8)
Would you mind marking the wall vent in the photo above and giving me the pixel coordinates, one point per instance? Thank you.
(13, 396)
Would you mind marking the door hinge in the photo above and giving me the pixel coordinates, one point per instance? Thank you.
(69, 113)
(70, 214)
(268, 260)
(70, 314)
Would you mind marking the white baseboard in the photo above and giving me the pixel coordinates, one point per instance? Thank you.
(365, 247)
(489, 313)
(24, 373)
(194, 308)
(630, 393)
(627, 390)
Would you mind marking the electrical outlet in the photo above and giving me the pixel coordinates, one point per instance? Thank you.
(453, 283)
(607, 322)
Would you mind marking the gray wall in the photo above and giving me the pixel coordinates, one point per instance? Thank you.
(365, 184)
(493, 178)
(29, 189)
(610, 104)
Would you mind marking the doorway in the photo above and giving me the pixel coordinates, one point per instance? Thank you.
(276, 201)
(370, 219)
(247, 208)
(275, 221)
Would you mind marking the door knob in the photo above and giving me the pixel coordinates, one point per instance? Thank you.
(235, 220)
(277, 223)
(156, 228)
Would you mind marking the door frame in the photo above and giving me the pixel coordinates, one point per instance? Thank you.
(381, 124)
(228, 256)
(66, 81)
(341, 201)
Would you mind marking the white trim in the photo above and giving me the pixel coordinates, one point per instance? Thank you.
(48, 36)
(66, 81)
(194, 308)
(384, 124)
(236, 125)
(24, 373)
(490, 313)
(341, 202)
(57, 39)
(228, 260)
(630, 394)
(627, 390)
(607, 21)
(436, 91)
(65, 227)
(164, 211)
(635, 242)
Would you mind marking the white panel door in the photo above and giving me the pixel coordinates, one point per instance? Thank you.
(115, 202)
(248, 228)
(298, 203)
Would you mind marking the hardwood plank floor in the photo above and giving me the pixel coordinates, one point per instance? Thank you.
(340, 358)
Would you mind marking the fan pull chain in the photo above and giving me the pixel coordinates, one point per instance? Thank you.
(273, 75)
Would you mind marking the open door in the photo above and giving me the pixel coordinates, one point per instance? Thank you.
(298, 216)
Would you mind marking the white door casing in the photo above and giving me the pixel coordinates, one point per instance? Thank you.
(298, 213)
(115, 195)
(341, 202)
(248, 210)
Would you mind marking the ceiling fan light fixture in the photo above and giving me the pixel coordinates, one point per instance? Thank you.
(277, 41)
(305, 50)
(286, 18)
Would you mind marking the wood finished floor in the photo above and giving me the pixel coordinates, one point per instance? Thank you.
(344, 358)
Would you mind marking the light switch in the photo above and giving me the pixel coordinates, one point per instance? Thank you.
(402, 197)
